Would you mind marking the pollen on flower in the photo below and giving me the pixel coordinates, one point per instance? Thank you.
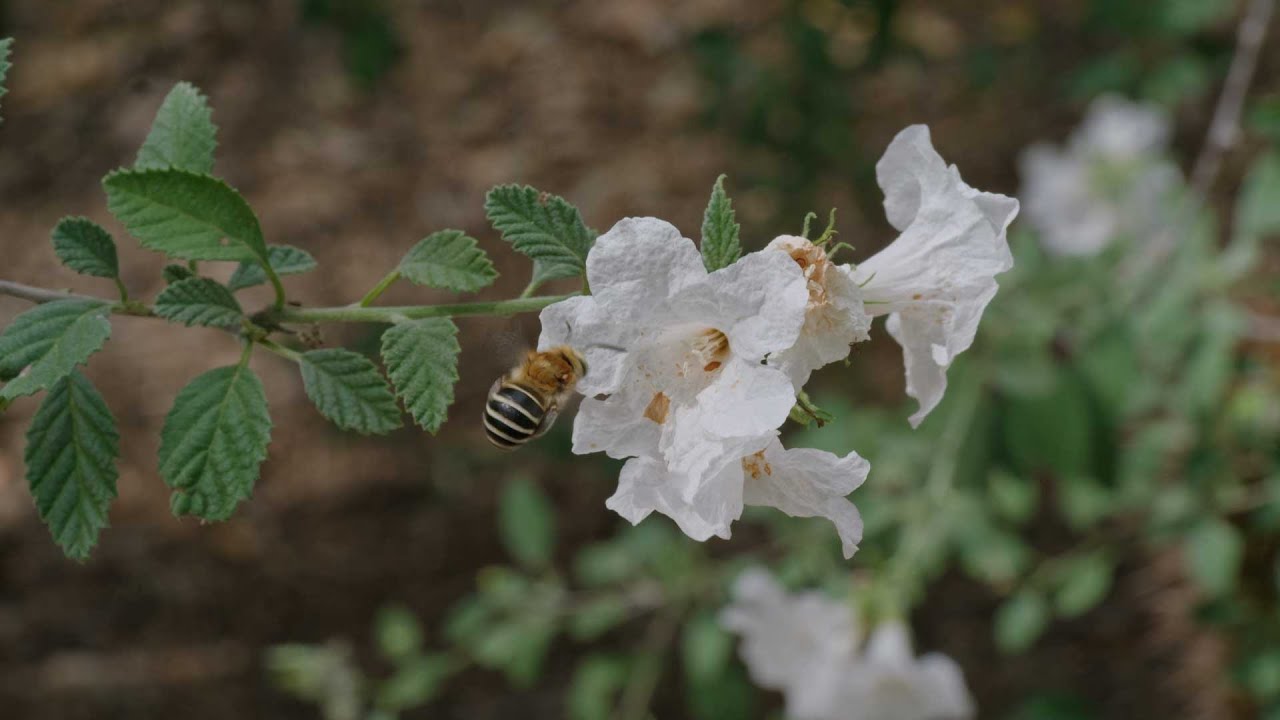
(813, 260)
(756, 466)
(711, 347)
(658, 408)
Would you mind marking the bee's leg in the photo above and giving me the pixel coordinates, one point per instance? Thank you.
(547, 421)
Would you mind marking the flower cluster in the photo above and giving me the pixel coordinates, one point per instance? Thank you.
(1108, 182)
(809, 647)
(693, 372)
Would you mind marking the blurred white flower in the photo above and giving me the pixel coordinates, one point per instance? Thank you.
(936, 278)
(807, 646)
(799, 482)
(1107, 183)
(674, 354)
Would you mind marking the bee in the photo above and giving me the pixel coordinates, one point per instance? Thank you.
(524, 402)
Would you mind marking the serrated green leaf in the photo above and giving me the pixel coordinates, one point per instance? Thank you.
(214, 441)
(176, 273)
(199, 301)
(5, 46)
(87, 248)
(1214, 553)
(72, 448)
(183, 135)
(422, 361)
(50, 340)
(448, 259)
(720, 244)
(527, 523)
(1020, 621)
(542, 226)
(347, 388)
(284, 259)
(185, 215)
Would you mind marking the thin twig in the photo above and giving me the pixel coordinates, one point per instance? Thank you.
(40, 295)
(1224, 129)
(638, 694)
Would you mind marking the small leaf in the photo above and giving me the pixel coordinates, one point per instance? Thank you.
(72, 448)
(526, 520)
(1214, 552)
(199, 301)
(50, 340)
(598, 616)
(213, 442)
(422, 361)
(176, 273)
(448, 259)
(398, 633)
(84, 246)
(183, 135)
(1084, 582)
(720, 244)
(415, 683)
(347, 388)
(596, 683)
(284, 259)
(706, 648)
(185, 215)
(6, 45)
(544, 227)
(1020, 621)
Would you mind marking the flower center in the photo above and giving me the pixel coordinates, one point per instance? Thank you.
(711, 348)
(813, 261)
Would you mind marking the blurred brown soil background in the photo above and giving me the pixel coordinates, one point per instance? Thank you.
(601, 101)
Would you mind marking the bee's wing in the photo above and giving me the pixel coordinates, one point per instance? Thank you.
(553, 412)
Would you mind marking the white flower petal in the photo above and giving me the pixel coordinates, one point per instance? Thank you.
(809, 483)
(616, 426)
(580, 323)
(890, 644)
(646, 486)
(1119, 128)
(638, 265)
(938, 276)
(828, 331)
(942, 681)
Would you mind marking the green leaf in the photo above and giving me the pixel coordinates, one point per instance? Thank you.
(526, 521)
(72, 448)
(284, 259)
(596, 683)
(84, 246)
(50, 340)
(706, 649)
(1257, 214)
(598, 616)
(544, 227)
(1020, 621)
(5, 46)
(448, 259)
(185, 215)
(720, 244)
(183, 135)
(213, 442)
(1214, 553)
(415, 683)
(347, 388)
(199, 301)
(1012, 497)
(422, 361)
(398, 633)
(176, 273)
(1084, 582)
(1053, 431)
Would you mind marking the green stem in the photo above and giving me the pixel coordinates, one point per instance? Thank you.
(124, 291)
(380, 288)
(275, 283)
(280, 350)
(529, 289)
(411, 312)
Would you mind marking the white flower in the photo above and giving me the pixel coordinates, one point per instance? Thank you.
(801, 644)
(799, 482)
(674, 354)
(1107, 183)
(934, 280)
(807, 646)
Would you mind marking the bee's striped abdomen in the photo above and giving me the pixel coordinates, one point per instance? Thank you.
(512, 416)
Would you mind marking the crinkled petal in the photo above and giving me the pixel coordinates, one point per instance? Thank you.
(938, 276)
(646, 486)
(616, 426)
(636, 266)
(758, 302)
(809, 483)
(734, 416)
(828, 331)
(580, 323)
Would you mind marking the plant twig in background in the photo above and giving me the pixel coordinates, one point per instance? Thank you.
(1224, 130)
